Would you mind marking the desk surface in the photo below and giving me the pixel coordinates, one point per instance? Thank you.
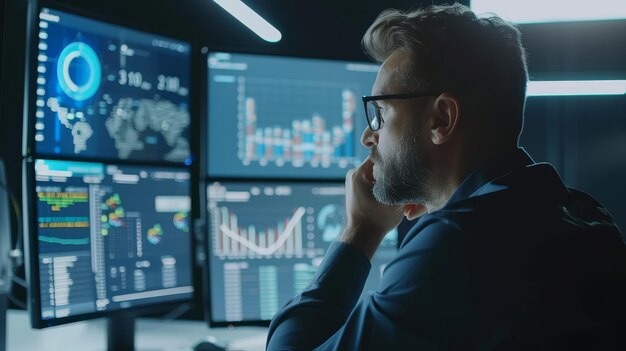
(150, 334)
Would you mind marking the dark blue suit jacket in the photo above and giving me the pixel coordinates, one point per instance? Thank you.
(514, 261)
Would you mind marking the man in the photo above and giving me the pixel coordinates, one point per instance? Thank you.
(504, 256)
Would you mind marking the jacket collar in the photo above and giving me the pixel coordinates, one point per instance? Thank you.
(479, 181)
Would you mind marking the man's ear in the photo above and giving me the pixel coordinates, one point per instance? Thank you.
(446, 116)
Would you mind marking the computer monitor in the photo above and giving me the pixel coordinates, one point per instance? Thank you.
(107, 186)
(105, 237)
(266, 240)
(97, 90)
(285, 117)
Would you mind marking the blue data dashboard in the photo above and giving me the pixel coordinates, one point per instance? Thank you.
(282, 117)
(267, 240)
(108, 92)
(109, 236)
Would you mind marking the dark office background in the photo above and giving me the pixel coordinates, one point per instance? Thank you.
(583, 137)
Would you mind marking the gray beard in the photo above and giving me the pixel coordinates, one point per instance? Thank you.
(401, 182)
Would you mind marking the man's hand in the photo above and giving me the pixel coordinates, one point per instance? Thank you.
(413, 211)
(368, 220)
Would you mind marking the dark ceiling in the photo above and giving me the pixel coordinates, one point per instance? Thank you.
(310, 28)
(333, 28)
(320, 28)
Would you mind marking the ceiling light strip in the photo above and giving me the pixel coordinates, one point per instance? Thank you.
(576, 87)
(251, 19)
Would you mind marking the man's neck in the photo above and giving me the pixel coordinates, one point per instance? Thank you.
(443, 189)
(458, 166)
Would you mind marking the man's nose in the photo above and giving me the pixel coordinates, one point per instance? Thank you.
(369, 138)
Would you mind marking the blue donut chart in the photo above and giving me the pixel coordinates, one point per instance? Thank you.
(88, 78)
(71, 52)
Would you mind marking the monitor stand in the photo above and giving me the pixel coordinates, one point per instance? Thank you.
(6, 265)
(121, 332)
(3, 321)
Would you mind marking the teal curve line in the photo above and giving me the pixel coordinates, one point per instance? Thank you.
(53, 240)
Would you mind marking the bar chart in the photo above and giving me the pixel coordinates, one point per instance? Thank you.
(267, 239)
(285, 238)
(292, 135)
(285, 117)
(269, 221)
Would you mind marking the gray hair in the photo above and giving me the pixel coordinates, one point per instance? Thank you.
(479, 60)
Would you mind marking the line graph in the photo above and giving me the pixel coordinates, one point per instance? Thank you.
(63, 241)
(285, 237)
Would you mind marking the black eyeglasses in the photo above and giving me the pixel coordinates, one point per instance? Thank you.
(372, 110)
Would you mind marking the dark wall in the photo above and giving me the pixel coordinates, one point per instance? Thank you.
(583, 136)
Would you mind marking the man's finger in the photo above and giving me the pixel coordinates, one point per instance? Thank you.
(412, 211)
(366, 169)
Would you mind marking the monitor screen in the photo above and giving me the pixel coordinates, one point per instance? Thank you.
(280, 117)
(108, 92)
(266, 241)
(107, 237)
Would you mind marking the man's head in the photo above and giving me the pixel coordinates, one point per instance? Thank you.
(473, 74)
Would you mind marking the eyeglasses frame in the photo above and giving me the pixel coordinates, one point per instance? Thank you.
(368, 98)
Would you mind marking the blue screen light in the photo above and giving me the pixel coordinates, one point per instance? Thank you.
(87, 83)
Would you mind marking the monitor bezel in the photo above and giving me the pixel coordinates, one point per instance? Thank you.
(208, 247)
(32, 259)
(205, 130)
(206, 179)
(29, 148)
